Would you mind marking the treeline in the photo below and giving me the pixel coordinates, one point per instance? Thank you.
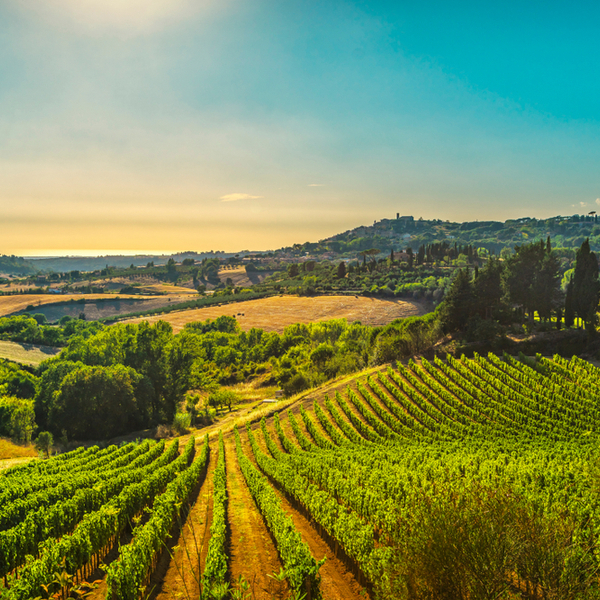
(127, 377)
(429, 253)
(33, 329)
(384, 277)
(18, 387)
(525, 285)
(15, 265)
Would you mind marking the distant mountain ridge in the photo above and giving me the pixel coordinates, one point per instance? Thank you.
(16, 265)
(94, 263)
(404, 231)
(386, 234)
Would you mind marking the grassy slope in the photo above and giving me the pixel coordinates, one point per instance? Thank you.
(11, 453)
(27, 354)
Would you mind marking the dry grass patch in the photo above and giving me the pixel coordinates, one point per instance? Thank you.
(277, 312)
(9, 450)
(26, 354)
(242, 279)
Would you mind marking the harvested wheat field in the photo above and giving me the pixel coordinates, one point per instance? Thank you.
(274, 314)
(93, 306)
(13, 304)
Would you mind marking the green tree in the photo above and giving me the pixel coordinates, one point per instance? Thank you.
(459, 303)
(488, 289)
(530, 279)
(184, 350)
(99, 403)
(147, 352)
(171, 270)
(221, 398)
(569, 310)
(547, 286)
(586, 288)
(44, 442)
(341, 270)
(55, 370)
(17, 418)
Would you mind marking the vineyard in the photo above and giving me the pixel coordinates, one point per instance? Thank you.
(470, 478)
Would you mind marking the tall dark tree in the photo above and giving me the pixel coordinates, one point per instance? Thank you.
(530, 279)
(586, 288)
(459, 302)
(546, 290)
(569, 310)
(488, 289)
(341, 270)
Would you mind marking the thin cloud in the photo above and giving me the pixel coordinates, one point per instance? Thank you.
(316, 185)
(598, 201)
(237, 196)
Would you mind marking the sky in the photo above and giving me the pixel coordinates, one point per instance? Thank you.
(173, 125)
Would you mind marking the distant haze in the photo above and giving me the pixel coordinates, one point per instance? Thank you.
(230, 124)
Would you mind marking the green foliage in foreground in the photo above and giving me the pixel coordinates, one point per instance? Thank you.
(465, 479)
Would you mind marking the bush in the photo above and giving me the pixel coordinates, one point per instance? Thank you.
(296, 384)
(182, 422)
(472, 545)
(40, 318)
(164, 431)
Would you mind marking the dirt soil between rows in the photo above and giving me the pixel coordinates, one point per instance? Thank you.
(178, 574)
(337, 582)
(252, 553)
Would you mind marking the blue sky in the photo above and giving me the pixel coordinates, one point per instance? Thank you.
(174, 124)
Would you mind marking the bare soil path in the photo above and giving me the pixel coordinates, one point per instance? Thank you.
(179, 572)
(252, 553)
(337, 581)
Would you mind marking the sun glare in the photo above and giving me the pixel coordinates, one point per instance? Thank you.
(133, 16)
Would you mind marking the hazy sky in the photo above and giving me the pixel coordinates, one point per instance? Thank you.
(170, 125)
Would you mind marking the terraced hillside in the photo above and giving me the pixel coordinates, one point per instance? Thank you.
(457, 478)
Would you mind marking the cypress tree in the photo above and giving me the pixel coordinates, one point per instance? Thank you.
(569, 312)
(459, 303)
(586, 289)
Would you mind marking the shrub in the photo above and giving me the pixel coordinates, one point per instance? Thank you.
(296, 384)
(164, 431)
(182, 422)
(472, 544)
